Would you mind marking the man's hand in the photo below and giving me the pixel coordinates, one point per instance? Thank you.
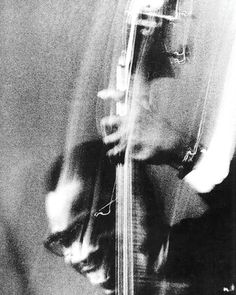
(145, 132)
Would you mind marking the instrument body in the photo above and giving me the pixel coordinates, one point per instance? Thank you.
(145, 57)
(164, 52)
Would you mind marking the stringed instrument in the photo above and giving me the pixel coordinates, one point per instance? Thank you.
(147, 55)
(150, 51)
(148, 26)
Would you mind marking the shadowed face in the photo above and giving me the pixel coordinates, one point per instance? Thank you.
(81, 232)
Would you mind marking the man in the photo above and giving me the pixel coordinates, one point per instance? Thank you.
(165, 130)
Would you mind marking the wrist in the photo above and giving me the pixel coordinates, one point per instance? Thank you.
(185, 156)
(191, 157)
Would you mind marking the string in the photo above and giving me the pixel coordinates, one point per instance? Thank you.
(125, 268)
(128, 287)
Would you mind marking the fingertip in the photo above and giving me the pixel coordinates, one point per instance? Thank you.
(105, 141)
(113, 94)
(113, 152)
(110, 153)
(102, 94)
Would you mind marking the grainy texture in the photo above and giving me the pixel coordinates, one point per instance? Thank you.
(42, 43)
(41, 47)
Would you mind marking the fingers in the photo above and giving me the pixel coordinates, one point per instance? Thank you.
(111, 123)
(117, 137)
(111, 94)
(112, 138)
(112, 126)
(116, 134)
(117, 150)
(142, 155)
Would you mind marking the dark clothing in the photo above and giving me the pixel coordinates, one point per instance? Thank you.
(201, 255)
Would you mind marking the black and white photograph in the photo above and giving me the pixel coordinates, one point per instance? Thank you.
(117, 147)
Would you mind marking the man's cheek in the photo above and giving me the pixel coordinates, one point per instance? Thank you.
(98, 277)
(79, 252)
